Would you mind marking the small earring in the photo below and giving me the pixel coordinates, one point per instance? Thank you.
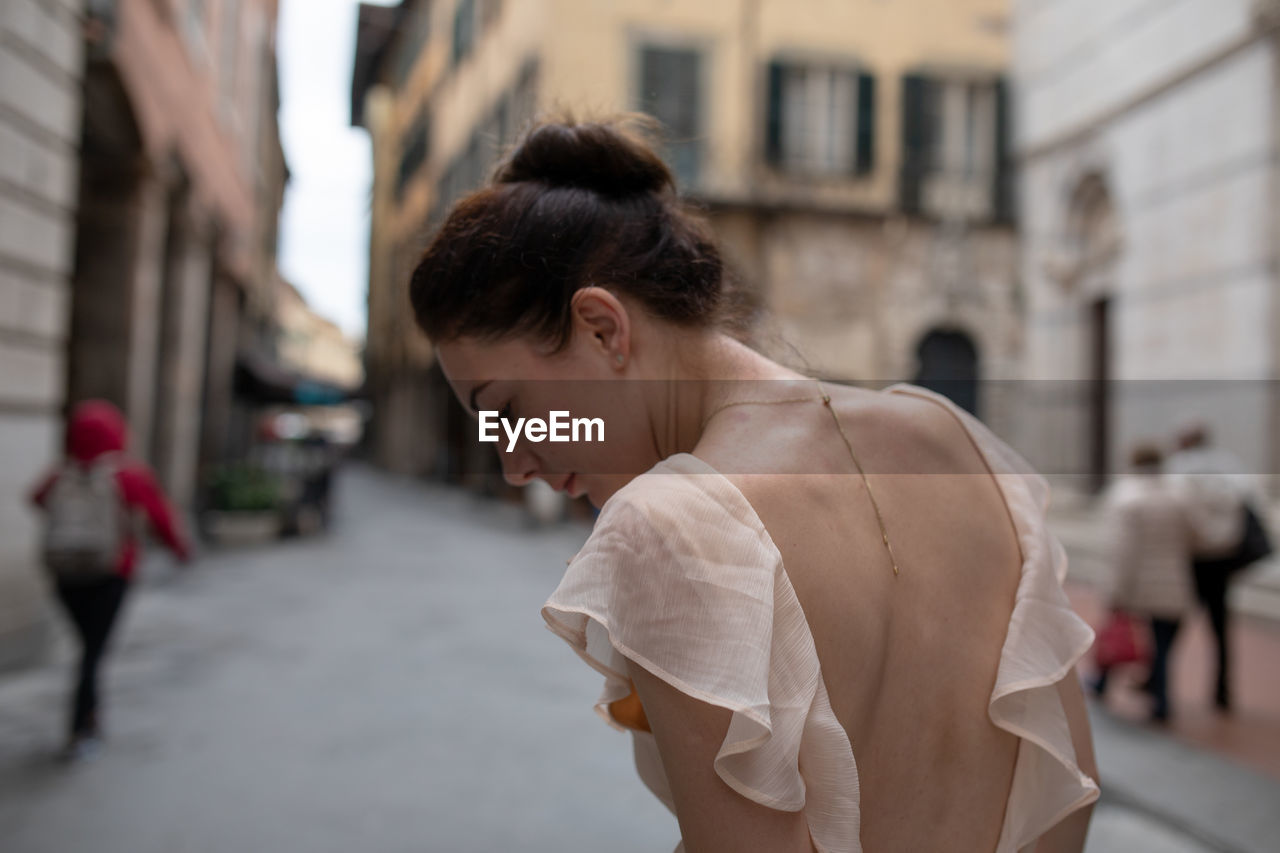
(620, 359)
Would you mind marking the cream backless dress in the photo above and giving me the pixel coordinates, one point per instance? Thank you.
(681, 577)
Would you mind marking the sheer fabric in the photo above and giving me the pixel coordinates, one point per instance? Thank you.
(681, 577)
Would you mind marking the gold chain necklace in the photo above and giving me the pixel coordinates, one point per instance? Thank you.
(826, 401)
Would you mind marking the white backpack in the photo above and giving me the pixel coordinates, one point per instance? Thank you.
(85, 524)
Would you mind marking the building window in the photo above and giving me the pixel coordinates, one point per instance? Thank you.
(505, 120)
(821, 120)
(414, 151)
(955, 140)
(464, 29)
(671, 91)
(414, 35)
(502, 121)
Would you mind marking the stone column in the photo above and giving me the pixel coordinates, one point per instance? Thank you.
(180, 377)
(223, 323)
(152, 212)
(120, 258)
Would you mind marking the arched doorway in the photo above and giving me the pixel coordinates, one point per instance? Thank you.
(1093, 239)
(948, 364)
(140, 285)
(110, 235)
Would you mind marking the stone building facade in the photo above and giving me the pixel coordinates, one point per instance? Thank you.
(142, 181)
(852, 158)
(182, 179)
(1147, 141)
(41, 56)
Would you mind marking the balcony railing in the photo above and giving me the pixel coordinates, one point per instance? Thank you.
(981, 196)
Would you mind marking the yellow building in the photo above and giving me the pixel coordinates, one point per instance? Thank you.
(312, 346)
(851, 155)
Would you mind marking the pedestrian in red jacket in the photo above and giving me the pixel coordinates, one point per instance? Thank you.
(92, 552)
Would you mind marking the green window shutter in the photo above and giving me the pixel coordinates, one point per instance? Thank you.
(414, 151)
(1004, 187)
(773, 121)
(915, 140)
(456, 53)
(865, 136)
(463, 29)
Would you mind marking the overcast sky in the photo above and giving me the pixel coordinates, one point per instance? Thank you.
(325, 226)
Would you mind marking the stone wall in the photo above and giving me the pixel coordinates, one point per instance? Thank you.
(1169, 108)
(40, 68)
(853, 298)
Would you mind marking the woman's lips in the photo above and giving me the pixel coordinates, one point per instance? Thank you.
(571, 486)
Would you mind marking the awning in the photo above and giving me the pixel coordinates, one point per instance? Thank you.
(260, 379)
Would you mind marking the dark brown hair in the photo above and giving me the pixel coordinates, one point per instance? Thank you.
(573, 205)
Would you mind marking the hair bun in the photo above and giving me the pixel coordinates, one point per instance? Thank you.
(606, 157)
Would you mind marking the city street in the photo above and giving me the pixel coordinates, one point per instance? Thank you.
(390, 687)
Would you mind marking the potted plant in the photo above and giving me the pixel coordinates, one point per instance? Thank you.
(244, 504)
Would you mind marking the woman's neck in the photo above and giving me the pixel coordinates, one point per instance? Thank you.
(705, 372)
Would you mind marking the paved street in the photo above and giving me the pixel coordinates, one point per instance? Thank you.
(391, 688)
(1251, 734)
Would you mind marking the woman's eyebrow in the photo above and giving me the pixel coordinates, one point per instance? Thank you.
(474, 391)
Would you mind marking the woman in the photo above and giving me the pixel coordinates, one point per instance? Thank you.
(92, 595)
(919, 624)
(1153, 536)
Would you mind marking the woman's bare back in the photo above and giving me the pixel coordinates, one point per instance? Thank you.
(909, 661)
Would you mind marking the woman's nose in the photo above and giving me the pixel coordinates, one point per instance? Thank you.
(518, 466)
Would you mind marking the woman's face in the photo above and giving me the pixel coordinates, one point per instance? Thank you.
(522, 379)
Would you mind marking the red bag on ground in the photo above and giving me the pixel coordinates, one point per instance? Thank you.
(1119, 641)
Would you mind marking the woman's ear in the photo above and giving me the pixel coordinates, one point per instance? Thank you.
(600, 315)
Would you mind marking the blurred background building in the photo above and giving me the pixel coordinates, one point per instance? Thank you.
(852, 157)
(857, 159)
(41, 54)
(313, 345)
(142, 182)
(181, 180)
(1150, 197)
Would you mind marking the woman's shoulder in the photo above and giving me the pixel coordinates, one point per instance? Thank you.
(680, 478)
(683, 497)
(903, 429)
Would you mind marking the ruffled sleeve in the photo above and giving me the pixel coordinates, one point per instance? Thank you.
(680, 577)
(1045, 640)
